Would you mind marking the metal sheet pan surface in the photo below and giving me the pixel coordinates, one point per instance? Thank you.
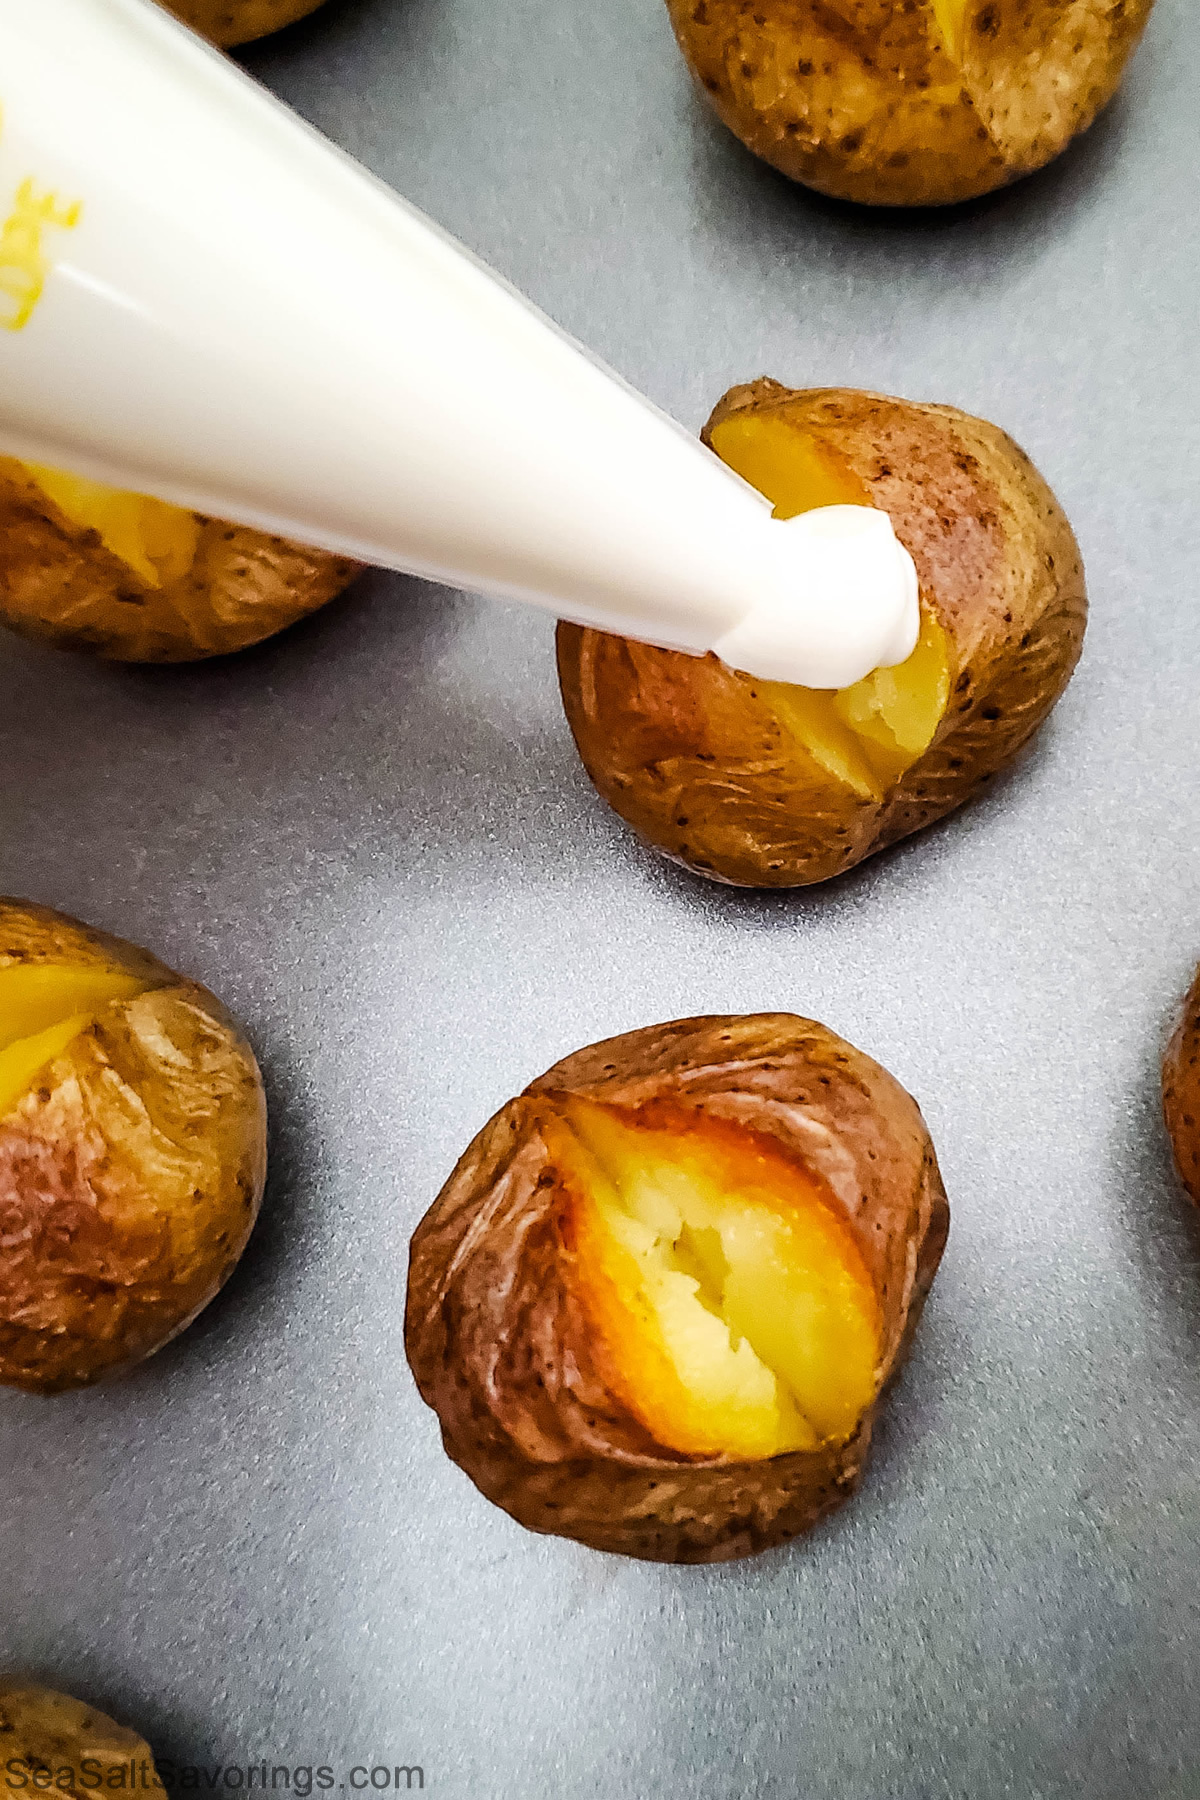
(373, 838)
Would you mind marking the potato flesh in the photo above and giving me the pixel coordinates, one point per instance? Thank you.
(792, 469)
(157, 541)
(43, 1008)
(951, 16)
(735, 1306)
(867, 735)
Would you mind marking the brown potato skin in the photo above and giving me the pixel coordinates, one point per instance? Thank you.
(60, 585)
(500, 1341)
(862, 100)
(230, 22)
(681, 748)
(47, 1730)
(131, 1173)
(1181, 1091)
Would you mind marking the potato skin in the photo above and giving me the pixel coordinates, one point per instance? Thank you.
(59, 584)
(47, 1730)
(131, 1173)
(679, 746)
(863, 100)
(1181, 1091)
(500, 1342)
(230, 22)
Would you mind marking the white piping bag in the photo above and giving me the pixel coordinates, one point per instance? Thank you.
(203, 300)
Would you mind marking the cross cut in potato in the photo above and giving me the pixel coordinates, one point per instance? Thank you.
(658, 1300)
(85, 566)
(737, 1313)
(867, 735)
(43, 1008)
(132, 1150)
(765, 784)
(156, 540)
(920, 104)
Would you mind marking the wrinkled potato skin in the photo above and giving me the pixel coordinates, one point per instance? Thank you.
(1181, 1091)
(230, 22)
(59, 584)
(131, 1172)
(862, 99)
(47, 1730)
(677, 744)
(500, 1341)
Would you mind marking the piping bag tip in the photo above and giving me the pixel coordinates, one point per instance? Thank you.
(388, 398)
(839, 598)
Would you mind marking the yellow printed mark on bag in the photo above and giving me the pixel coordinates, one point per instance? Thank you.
(24, 264)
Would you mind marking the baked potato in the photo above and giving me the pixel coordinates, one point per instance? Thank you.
(48, 1741)
(1181, 1091)
(132, 1150)
(656, 1303)
(89, 567)
(230, 22)
(913, 105)
(764, 784)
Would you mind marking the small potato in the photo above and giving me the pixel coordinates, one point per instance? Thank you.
(88, 567)
(46, 1739)
(913, 105)
(132, 1150)
(229, 22)
(656, 1303)
(763, 784)
(1181, 1091)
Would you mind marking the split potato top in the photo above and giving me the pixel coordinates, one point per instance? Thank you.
(918, 104)
(733, 1310)
(85, 566)
(132, 1150)
(657, 1300)
(764, 784)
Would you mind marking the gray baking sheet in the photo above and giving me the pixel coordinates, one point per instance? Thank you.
(373, 838)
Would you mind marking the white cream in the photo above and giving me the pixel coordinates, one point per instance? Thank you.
(841, 600)
(207, 302)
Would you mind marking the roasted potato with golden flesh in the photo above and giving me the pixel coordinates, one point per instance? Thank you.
(230, 22)
(764, 784)
(132, 1150)
(913, 105)
(51, 1742)
(89, 567)
(1181, 1091)
(656, 1303)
